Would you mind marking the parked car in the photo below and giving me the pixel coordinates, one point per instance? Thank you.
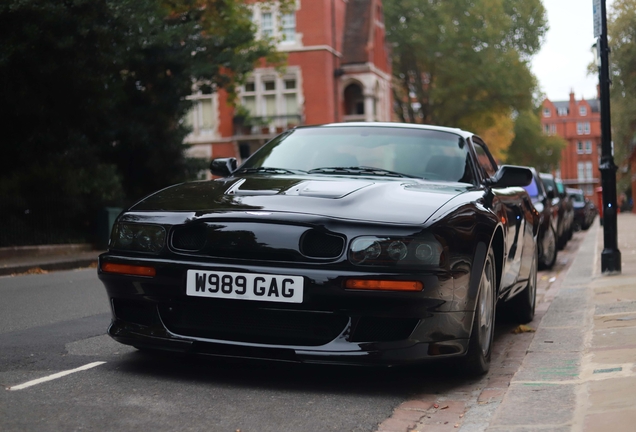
(556, 192)
(362, 243)
(584, 210)
(547, 238)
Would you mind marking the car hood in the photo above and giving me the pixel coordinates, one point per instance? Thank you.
(408, 201)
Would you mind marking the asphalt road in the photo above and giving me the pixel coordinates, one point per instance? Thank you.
(56, 322)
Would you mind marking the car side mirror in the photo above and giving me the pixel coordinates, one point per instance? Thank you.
(550, 192)
(509, 176)
(223, 167)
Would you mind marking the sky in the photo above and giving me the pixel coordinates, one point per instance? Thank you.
(561, 64)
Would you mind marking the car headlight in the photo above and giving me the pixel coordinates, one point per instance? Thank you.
(138, 237)
(389, 251)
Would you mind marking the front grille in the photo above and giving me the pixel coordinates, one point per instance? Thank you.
(256, 241)
(277, 327)
(318, 244)
(383, 329)
(191, 238)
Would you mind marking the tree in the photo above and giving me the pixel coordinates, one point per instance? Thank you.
(94, 94)
(531, 147)
(622, 38)
(463, 63)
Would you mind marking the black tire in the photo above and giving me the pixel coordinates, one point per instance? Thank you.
(521, 307)
(477, 359)
(548, 250)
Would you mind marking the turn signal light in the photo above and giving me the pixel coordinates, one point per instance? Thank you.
(128, 269)
(384, 285)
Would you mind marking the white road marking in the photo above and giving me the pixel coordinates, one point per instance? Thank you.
(55, 376)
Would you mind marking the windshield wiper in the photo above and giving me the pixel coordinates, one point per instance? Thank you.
(271, 170)
(363, 170)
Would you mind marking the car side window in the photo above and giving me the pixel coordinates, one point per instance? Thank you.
(484, 159)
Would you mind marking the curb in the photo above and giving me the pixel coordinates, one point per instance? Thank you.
(49, 266)
(39, 250)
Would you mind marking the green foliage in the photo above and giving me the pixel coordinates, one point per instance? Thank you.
(531, 147)
(622, 33)
(94, 93)
(463, 61)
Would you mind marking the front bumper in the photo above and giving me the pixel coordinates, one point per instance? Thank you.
(332, 325)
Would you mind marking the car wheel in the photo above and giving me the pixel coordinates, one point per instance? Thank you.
(548, 250)
(521, 307)
(477, 360)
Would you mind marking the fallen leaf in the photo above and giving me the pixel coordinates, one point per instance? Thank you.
(456, 425)
(445, 407)
(523, 329)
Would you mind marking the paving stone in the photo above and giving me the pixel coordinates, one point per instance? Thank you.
(558, 339)
(615, 307)
(543, 405)
(549, 367)
(614, 355)
(570, 319)
(612, 394)
(622, 420)
(617, 337)
(614, 321)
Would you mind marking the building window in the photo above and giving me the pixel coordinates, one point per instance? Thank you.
(272, 99)
(588, 171)
(267, 24)
(583, 128)
(288, 25)
(552, 129)
(580, 171)
(562, 111)
(579, 147)
(582, 110)
(272, 24)
(546, 129)
(588, 147)
(589, 190)
(202, 116)
(546, 112)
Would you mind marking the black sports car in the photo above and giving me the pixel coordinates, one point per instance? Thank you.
(357, 243)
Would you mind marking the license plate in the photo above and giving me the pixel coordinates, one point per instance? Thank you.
(245, 286)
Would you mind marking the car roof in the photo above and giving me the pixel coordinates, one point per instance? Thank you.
(457, 131)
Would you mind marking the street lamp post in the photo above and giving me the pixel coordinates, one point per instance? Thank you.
(611, 256)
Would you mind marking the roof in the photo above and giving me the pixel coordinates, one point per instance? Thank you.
(457, 131)
(595, 104)
(357, 31)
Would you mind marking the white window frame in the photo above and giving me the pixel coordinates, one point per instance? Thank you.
(588, 147)
(547, 112)
(580, 171)
(579, 147)
(198, 132)
(582, 110)
(562, 111)
(583, 128)
(589, 170)
(259, 78)
(282, 27)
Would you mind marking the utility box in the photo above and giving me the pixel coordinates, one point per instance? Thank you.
(105, 222)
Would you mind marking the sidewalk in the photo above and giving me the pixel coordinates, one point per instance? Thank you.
(579, 373)
(38, 259)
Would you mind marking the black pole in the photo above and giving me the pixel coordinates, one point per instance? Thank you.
(611, 256)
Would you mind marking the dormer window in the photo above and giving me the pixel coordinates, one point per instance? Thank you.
(546, 112)
(583, 110)
(562, 111)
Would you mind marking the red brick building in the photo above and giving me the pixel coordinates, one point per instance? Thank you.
(579, 123)
(338, 69)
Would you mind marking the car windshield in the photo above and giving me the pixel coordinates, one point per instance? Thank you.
(367, 150)
(532, 189)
